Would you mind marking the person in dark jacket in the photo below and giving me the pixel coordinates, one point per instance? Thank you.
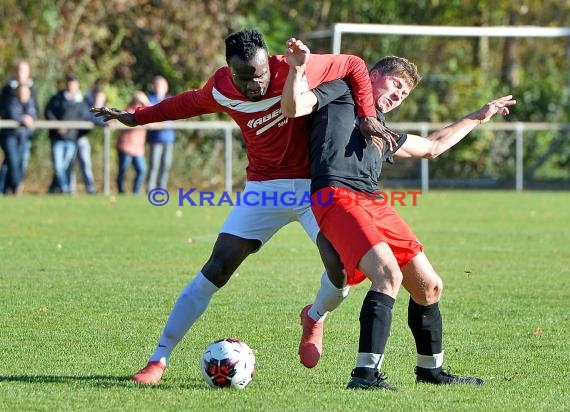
(8, 94)
(20, 107)
(66, 104)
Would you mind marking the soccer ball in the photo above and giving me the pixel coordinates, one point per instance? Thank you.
(228, 363)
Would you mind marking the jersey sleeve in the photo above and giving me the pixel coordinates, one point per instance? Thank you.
(389, 154)
(330, 91)
(181, 106)
(327, 67)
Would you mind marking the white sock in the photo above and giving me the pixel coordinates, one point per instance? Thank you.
(369, 360)
(430, 361)
(328, 299)
(189, 306)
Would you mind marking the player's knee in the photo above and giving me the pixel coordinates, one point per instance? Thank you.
(435, 291)
(220, 267)
(338, 279)
(431, 293)
(216, 271)
(394, 279)
(229, 251)
(331, 261)
(386, 279)
(335, 270)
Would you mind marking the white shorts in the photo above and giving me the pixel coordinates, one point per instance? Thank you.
(265, 207)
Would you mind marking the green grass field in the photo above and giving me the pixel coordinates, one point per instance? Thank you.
(86, 284)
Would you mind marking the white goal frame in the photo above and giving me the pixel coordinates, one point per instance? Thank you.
(448, 31)
(444, 31)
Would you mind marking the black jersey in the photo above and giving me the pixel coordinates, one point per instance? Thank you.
(340, 155)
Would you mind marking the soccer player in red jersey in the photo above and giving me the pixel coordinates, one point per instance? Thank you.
(371, 238)
(249, 89)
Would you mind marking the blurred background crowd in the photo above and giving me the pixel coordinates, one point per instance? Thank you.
(70, 147)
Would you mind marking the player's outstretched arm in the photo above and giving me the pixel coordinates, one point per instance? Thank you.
(500, 105)
(128, 119)
(442, 140)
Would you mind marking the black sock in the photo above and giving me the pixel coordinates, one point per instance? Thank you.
(365, 373)
(375, 322)
(427, 373)
(426, 325)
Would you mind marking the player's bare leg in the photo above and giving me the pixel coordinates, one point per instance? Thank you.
(228, 253)
(381, 268)
(424, 319)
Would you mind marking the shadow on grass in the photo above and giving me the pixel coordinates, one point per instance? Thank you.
(98, 381)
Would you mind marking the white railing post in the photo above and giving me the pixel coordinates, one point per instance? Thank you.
(106, 160)
(337, 36)
(424, 163)
(519, 172)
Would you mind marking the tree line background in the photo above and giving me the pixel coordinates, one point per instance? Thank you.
(125, 43)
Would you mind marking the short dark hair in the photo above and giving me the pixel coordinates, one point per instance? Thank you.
(244, 44)
(399, 66)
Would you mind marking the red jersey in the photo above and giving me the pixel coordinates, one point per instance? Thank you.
(277, 147)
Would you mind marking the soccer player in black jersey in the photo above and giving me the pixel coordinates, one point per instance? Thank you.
(371, 238)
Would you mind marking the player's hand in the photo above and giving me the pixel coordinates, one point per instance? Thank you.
(500, 105)
(376, 133)
(297, 53)
(128, 119)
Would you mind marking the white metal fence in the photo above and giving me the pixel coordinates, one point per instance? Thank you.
(227, 128)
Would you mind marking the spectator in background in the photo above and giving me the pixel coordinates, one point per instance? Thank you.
(94, 97)
(19, 107)
(66, 104)
(130, 147)
(22, 78)
(161, 141)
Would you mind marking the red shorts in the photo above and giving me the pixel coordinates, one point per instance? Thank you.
(354, 224)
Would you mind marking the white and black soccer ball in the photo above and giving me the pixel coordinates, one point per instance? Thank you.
(228, 363)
